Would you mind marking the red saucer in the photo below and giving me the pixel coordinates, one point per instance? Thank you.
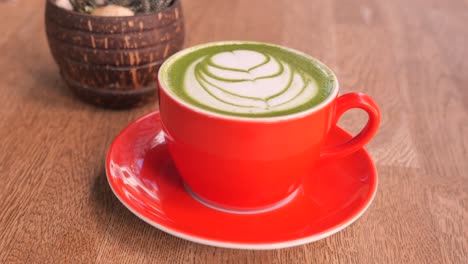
(143, 177)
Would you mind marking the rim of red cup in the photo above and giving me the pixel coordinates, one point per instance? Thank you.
(163, 83)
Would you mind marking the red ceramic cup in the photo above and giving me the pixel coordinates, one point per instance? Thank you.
(255, 163)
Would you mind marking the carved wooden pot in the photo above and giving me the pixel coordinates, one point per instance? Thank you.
(113, 61)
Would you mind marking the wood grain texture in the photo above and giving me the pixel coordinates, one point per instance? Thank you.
(411, 56)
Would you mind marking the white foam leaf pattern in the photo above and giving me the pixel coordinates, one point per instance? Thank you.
(244, 81)
(238, 59)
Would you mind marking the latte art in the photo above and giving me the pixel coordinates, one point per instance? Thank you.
(248, 79)
(244, 81)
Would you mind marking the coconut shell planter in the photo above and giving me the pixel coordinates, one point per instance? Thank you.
(113, 61)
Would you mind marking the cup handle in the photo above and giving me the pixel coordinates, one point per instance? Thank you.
(343, 104)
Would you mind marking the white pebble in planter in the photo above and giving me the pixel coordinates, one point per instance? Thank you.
(113, 11)
(65, 4)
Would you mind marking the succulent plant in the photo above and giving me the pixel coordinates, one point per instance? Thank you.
(137, 6)
(83, 6)
(143, 6)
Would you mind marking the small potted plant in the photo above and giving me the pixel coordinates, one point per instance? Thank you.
(109, 51)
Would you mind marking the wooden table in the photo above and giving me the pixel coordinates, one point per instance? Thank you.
(411, 56)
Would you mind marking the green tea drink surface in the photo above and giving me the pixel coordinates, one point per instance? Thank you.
(247, 79)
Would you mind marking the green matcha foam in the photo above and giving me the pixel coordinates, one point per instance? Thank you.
(247, 79)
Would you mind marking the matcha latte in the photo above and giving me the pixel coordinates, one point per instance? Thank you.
(247, 79)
